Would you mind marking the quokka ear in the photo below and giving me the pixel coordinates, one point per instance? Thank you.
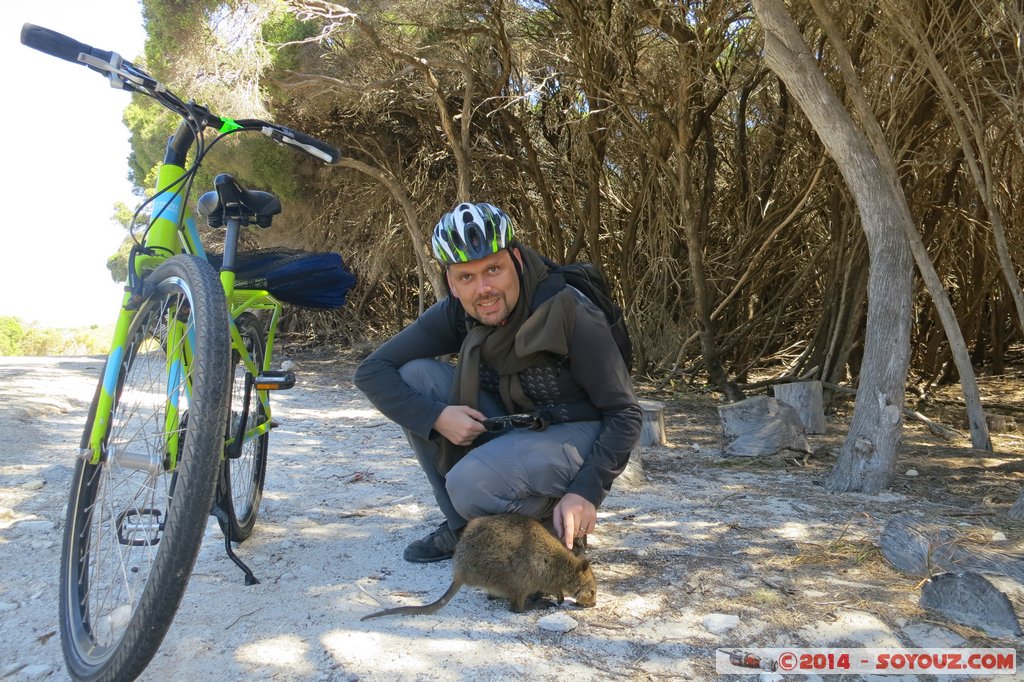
(584, 564)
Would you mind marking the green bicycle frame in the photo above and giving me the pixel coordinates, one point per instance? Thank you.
(171, 232)
(240, 300)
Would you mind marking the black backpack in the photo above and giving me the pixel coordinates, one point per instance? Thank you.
(586, 278)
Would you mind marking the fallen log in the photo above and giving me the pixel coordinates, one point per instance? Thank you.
(918, 548)
(953, 564)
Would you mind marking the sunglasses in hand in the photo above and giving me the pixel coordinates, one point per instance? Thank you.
(515, 421)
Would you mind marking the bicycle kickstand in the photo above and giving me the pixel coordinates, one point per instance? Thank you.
(222, 516)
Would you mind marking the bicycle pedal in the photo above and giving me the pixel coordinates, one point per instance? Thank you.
(275, 381)
(140, 527)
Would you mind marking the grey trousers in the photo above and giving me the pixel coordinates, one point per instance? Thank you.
(522, 471)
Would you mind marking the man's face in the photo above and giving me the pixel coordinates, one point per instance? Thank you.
(488, 288)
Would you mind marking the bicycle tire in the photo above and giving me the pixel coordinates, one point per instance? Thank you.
(133, 531)
(241, 481)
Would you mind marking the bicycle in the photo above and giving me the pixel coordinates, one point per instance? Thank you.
(178, 427)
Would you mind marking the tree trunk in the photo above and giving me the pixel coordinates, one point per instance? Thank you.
(848, 316)
(868, 457)
(686, 136)
(975, 415)
(968, 121)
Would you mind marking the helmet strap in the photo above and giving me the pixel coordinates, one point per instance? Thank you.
(519, 270)
(510, 247)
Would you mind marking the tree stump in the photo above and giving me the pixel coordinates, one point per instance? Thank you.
(653, 432)
(805, 397)
(634, 471)
(761, 426)
(969, 599)
(919, 548)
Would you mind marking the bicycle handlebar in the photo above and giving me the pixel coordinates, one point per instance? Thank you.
(306, 143)
(59, 45)
(125, 75)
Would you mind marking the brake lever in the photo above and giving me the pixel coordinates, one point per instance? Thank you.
(120, 77)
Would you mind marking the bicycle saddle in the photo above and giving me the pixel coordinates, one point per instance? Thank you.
(231, 200)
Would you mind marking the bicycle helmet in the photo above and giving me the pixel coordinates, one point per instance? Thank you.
(471, 232)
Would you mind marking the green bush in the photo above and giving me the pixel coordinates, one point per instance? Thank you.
(11, 334)
(17, 339)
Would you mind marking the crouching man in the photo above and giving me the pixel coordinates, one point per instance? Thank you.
(527, 344)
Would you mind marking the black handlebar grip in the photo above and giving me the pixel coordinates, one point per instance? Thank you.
(58, 44)
(332, 152)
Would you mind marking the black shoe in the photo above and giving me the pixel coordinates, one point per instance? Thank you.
(437, 546)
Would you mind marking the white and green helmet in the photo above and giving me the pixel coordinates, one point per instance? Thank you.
(470, 232)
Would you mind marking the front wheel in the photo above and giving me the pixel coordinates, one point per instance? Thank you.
(245, 466)
(135, 519)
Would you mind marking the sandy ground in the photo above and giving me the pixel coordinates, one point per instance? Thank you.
(697, 554)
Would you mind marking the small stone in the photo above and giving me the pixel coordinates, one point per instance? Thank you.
(6, 606)
(720, 623)
(287, 365)
(34, 484)
(557, 622)
(696, 447)
(770, 677)
(911, 473)
(999, 536)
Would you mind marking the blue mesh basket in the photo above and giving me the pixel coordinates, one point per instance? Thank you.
(308, 279)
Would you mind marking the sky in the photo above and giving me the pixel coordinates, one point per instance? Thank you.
(66, 151)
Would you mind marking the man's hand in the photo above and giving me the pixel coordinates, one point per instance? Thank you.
(460, 424)
(574, 517)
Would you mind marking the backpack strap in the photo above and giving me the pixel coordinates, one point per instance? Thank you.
(550, 285)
